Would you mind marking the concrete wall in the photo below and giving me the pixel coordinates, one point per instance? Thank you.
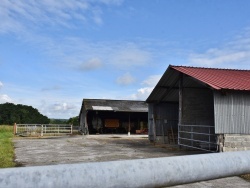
(236, 142)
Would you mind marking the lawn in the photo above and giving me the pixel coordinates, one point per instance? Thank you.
(6, 147)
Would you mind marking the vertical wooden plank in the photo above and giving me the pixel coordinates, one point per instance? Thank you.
(15, 129)
(180, 98)
(180, 104)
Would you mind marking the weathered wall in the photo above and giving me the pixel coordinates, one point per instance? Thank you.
(197, 107)
(236, 142)
(232, 112)
(165, 116)
(83, 121)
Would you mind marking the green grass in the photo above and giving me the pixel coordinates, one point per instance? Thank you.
(6, 147)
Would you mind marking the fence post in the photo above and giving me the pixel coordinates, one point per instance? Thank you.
(41, 130)
(14, 129)
(71, 127)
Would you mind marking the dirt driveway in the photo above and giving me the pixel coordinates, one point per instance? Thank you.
(95, 148)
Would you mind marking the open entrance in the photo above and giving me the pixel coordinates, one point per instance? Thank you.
(184, 115)
(196, 125)
(106, 122)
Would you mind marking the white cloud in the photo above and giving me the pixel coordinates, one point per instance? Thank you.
(20, 15)
(152, 80)
(125, 79)
(1, 84)
(5, 98)
(60, 109)
(91, 64)
(77, 53)
(53, 88)
(144, 92)
(130, 55)
(62, 106)
(234, 54)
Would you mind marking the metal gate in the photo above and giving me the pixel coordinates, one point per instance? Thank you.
(200, 137)
(42, 129)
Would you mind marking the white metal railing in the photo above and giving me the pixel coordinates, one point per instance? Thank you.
(200, 137)
(42, 129)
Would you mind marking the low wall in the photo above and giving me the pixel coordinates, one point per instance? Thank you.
(236, 142)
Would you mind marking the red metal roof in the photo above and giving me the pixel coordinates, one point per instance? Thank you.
(231, 79)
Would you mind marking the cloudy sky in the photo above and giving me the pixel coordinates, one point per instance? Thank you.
(54, 53)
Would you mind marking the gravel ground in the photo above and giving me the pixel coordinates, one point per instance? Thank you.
(96, 148)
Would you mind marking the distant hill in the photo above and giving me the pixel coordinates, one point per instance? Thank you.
(58, 121)
(11, 113)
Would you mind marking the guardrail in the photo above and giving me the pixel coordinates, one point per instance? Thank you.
(156, 172)
(42, 129)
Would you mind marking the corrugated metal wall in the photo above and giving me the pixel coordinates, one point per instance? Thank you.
(232, 113)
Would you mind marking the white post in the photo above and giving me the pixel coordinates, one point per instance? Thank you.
(41, 130)
(71, 126)
(129, 125)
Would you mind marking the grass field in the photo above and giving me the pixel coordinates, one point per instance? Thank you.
(6, 147)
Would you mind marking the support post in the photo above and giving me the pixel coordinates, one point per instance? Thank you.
(15, 129)
(129, 124)
(41, 130)
(180, 98)
(180, 103)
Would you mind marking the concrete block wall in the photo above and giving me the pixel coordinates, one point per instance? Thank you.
(236, 142)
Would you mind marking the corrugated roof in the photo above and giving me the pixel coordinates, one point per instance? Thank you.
(218, 79)
(196, 77)
(115, 105)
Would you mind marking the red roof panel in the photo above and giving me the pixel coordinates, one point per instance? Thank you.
(231, 79)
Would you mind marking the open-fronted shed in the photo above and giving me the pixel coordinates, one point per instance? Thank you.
(113, 116)
(203, 108)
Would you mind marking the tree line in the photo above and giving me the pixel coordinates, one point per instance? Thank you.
(11, 113)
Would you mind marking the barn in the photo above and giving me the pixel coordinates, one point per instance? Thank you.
(100, 116)
(201, 108)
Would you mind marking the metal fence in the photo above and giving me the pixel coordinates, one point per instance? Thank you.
(42, 129)
(200, 137)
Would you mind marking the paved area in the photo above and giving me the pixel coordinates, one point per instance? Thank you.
(96, 148)
(91, 148)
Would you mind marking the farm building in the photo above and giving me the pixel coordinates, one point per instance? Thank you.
(98, 116)
(202, 108)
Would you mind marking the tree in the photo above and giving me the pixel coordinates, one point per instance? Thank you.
(74, 121)
(11, 113)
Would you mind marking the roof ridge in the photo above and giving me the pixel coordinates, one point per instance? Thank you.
(211, 68)
(113, 100)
